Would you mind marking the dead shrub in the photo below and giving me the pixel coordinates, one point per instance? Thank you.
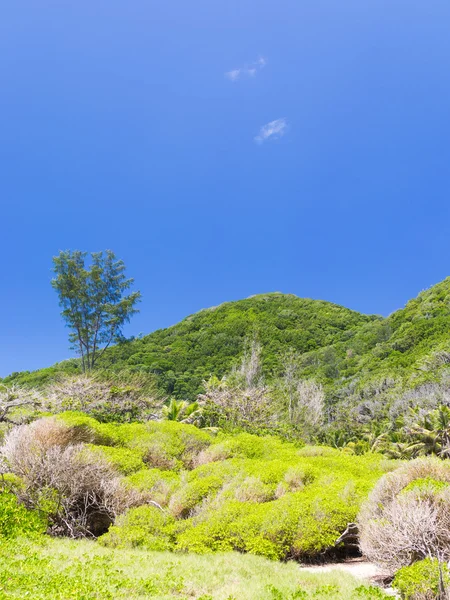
(295, 479)
(216, 453)
(407, 516)
(80, 494)
(252, 489)
(130, 399)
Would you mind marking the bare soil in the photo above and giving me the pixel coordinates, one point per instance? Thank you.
(358, 567)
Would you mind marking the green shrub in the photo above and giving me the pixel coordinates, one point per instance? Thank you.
(90, 428)
(143, 527)
(159, 484)
(246, 445)
(420, 581)
(126, 461)
(250, 494)
(425, 486)
(192, 493)
(16, 520)
(165, 445)
(312, 451)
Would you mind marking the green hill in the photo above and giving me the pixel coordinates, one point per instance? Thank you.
(347, 351)
(212, 340)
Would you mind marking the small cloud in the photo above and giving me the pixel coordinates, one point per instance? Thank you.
(274, 129)
(247, 70)
(234, 75)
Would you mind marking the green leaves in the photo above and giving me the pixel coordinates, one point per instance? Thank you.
(93, 301)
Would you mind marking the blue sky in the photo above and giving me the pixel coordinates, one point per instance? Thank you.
(124, 125)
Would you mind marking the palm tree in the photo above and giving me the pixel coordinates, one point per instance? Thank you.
(182, 411)
(398, 450)
(431, 434)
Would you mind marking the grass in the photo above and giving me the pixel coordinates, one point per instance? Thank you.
(62, 569)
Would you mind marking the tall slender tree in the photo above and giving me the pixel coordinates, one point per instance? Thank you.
(93, 301)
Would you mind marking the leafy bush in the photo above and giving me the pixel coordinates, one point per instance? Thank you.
(159, 485)
(189, 495)
(420, 581)
(301, 522)
(144, 527)
(16, 520)
(126, 461)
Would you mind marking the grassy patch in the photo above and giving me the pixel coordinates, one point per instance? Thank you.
(82, 570)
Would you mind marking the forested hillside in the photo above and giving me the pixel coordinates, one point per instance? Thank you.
(343, 349)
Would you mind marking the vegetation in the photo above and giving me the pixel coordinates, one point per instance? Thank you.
(169, 488)
(191, 491)
(93, 304)
(406, 518)
(372, 371)
(424, 580)
(263, 426)
(58, 569)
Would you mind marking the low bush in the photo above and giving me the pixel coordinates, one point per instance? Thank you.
(421, 581)
(300, 523)
(94, 432)
(165, 445)
(145, 527)
(16, 520)
(159, 485)
(189, 495)
(407, 516)
(126, 461)
(127, 398)
(79, 494)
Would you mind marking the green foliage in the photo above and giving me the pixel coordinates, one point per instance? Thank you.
(16, 520)
(420, 581)
(87, 429)
(160, 484)
(300, 523)
(143, 527)
(189, 495)
(167, 444)
(183, 412)
(126, 461)
(235, 492)
(430, 434)
(245, 445)
(371, 370)
(425, 486)
(212, 341)
(92, 300)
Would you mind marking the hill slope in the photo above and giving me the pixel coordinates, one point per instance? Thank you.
(340, 347)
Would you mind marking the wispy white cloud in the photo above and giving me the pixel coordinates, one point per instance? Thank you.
(234, 74)
(247, 70)
(274, 129)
